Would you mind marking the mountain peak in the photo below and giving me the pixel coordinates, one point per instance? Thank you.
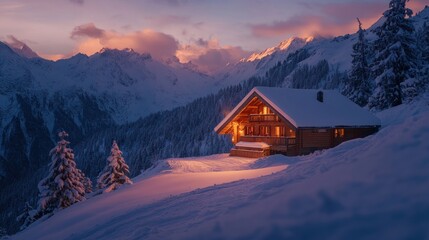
(290, 44)
(121, 53)
(21, 48)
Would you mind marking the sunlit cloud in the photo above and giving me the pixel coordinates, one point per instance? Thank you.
(87, 30)
(159, 45)
(331, 19)
(13, 42)
(417, 5)
(209, 55)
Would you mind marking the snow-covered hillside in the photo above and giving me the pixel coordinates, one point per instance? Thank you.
(371, 188)
(126, 84)
(259, 63)
(83, 95)
(335, 50)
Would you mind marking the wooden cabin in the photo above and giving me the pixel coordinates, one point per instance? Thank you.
(294, 122)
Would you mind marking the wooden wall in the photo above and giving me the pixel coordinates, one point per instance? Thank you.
(310, 140)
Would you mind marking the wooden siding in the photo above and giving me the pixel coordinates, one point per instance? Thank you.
(317, 138)
(310, 140)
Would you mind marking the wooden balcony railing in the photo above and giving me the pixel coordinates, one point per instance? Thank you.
(263, 118)
(271, 140)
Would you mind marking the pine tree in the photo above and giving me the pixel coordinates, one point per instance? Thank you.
(358, 87)
(87, 183)
(423, 49)
(395, 60)
(115, 172)
(62, 187)
(26, 217)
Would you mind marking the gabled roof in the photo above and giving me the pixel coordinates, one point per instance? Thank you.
(302, 109)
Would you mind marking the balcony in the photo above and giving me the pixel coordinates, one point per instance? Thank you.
(263, 118)
(271, 140)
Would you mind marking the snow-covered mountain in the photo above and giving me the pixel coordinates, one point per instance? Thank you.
(84, 94)
(367, 188)
(259, 63)
(22, 49)
(126, 84)
(336, 51)
(90, 95)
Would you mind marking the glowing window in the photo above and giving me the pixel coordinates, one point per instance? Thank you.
(339, 132)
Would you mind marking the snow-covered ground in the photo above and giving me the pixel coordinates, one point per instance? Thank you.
(371, 188)
(168, 178)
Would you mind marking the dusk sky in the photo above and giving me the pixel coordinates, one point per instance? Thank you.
(197, 30)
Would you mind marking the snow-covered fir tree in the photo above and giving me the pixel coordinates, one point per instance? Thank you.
(423, 50)
(86, 181)
(88, 185)
(26, 217)
(115, 172)
(394, 68)
(62, 187)
(358, 87)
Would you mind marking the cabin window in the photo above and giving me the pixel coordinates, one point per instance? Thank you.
(265, 110)
(264, 130)
(339, 132)
(280, 131)
(277, 131)
(249, 130)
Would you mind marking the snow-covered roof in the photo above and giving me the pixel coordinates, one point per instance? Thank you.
(302, 109)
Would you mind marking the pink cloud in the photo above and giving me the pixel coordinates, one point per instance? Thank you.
(12, 41)
(417, 5)
(159, 45)
(295, 26)
(348, 12)
(209, 55)
(87, 30)
(215, 59)
(332, 19)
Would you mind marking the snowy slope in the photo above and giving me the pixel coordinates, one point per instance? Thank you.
(371, 188)
(167, 178)
(258, 63)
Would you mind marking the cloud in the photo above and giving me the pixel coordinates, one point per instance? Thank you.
(209, 55)
(324, 19)
(159, 45)
(417, 5)
(348, 12)
(295, 26)
(87, 30)
(20, 47)
(79, 2)
(13, 42)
